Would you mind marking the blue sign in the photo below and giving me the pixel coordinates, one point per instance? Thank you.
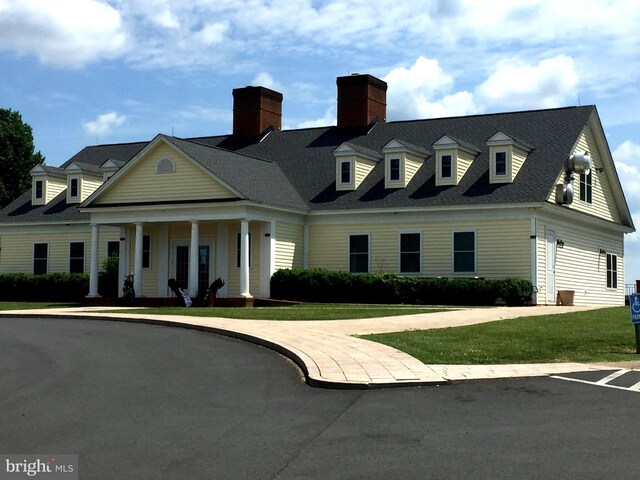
(634, 305)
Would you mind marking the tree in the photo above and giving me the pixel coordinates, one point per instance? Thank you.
(17, 156)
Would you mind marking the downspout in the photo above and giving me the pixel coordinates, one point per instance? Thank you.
(534, 259)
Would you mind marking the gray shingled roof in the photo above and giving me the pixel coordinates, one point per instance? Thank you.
(296, 168)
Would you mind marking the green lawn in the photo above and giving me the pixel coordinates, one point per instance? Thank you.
(591, 336)
(307, 311)
(35, 305)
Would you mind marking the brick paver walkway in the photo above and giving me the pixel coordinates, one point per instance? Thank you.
(331, 356)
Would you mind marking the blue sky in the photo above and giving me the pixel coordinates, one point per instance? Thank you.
(83, 72)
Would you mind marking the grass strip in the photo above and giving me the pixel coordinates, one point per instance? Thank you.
(604, 335)
(294, 312)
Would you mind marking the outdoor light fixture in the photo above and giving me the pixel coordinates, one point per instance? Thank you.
(603, 252)
(599, 169)
(560, 243)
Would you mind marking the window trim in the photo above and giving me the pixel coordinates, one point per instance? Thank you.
(442, 175)
(475, 252)
(393, 170)
(586, 187)
(77, 182)
(146, 253)
(419, 252)
(612, 271)
(349, 163)
(46, 259)
(239, 249)
(368, 235)
(506, 163)
(38, 183)
(84, 255)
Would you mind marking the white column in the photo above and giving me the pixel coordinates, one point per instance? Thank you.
(123, 257)
(93, 268)
(222, 257)
(244, 258)
(137, 261)
(194, 256)
(163, 260)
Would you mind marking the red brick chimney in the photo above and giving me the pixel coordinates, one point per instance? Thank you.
(361, 98)
(255, 109)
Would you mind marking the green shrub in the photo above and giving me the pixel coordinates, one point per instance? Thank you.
(53, 287)
(320, 285)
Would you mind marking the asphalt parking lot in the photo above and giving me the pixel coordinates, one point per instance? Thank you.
(146, 401)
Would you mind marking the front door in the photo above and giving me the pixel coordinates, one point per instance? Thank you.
(551, 267)
(180, 265)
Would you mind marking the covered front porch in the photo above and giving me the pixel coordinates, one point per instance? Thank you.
(195, 252)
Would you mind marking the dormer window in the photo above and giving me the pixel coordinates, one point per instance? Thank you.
(353, 164)
(402, 161)
(446, 164)
(394, 169)
(453, 158)
(506, 156)
(345, 172)
(39, 189)
(500, 163)
(73, 188)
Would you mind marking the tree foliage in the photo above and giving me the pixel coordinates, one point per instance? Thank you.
(17, 156)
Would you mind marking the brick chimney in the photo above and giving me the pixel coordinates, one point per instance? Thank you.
(361, 98)
(255, 109)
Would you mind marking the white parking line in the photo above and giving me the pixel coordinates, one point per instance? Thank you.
(604, 381)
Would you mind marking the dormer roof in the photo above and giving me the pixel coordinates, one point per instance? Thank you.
(400, 145)
(447, 141)
(42, 169)
(347, 148)
(84, 168)
(501, 138)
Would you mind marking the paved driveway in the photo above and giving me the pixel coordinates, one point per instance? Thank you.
(140, 401)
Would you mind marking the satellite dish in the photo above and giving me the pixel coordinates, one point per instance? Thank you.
(580, 163)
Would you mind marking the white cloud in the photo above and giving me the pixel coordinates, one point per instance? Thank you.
(66, 34)
(550, 83)
(104, 124)
(264, 79)
(213, 33)
(422, 91)
(329, 118)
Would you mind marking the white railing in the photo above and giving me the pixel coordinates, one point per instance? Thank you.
(629, 288)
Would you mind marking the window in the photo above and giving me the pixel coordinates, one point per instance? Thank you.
(40, 258)
(612, 271)
(76, 257)
(146, 251)
(464, 252)
(501, 163)
(113, 249)
(359, 253)
(238, 251)
(165, 166)
(585, 187)
(74, 188)
(446, 166)
(39, 189)
(394, 169)
(345, 172)
(410, 252)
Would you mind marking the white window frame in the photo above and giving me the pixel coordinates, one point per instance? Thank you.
(442, 175)
(149, 251)
(612, 271)
(33, 255)
(400, 162)
(351, 173)
(587, 182)
(35, 189)
(409, 232)
(368, 235)
(84, 255)
(78, 188)
(506, 163)
(475, 252)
